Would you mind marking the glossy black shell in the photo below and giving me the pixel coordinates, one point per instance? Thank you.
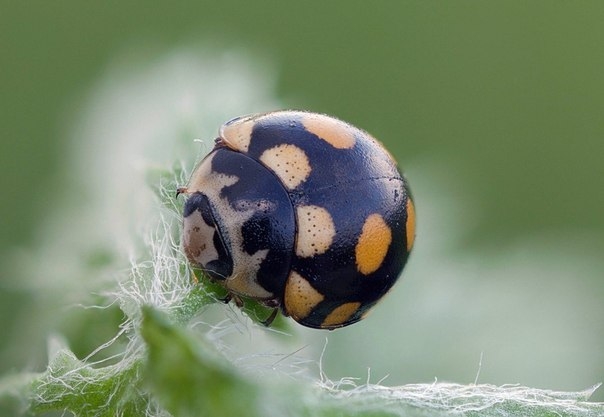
(318, 204)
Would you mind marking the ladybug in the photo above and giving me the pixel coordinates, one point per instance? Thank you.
(300, 211)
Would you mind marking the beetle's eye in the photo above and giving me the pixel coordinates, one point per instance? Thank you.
(203, 239)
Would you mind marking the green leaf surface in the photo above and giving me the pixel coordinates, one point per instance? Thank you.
(191, 379)
(72, 385)
(180, 374)
(187, 378)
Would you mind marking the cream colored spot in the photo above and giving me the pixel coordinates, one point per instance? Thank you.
(198, 242)
(316, 231)
(238, 134)
(243, 281)
(410, 225)
(333, 131)
(300, 297)
(205, 180)
(373, 244)
(340, 315)
(289, 163)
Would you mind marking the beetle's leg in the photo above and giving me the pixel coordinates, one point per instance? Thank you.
(269, 320)
(230, 296)
(271, 303)
(238, 300)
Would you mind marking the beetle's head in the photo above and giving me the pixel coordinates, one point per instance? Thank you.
(203, 240)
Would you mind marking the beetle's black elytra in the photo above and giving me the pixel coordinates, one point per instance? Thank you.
(303, 211)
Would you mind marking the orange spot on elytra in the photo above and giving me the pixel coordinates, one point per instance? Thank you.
(340, 315)
(373, 244)
(300, 297)
(337, 133)
(410, 225)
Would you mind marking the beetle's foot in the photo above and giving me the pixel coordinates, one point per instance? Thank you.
(230, 296)
(269, 320)
(226, 299)
(238, 300)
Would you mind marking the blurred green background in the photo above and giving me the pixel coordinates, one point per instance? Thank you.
(502, 103)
